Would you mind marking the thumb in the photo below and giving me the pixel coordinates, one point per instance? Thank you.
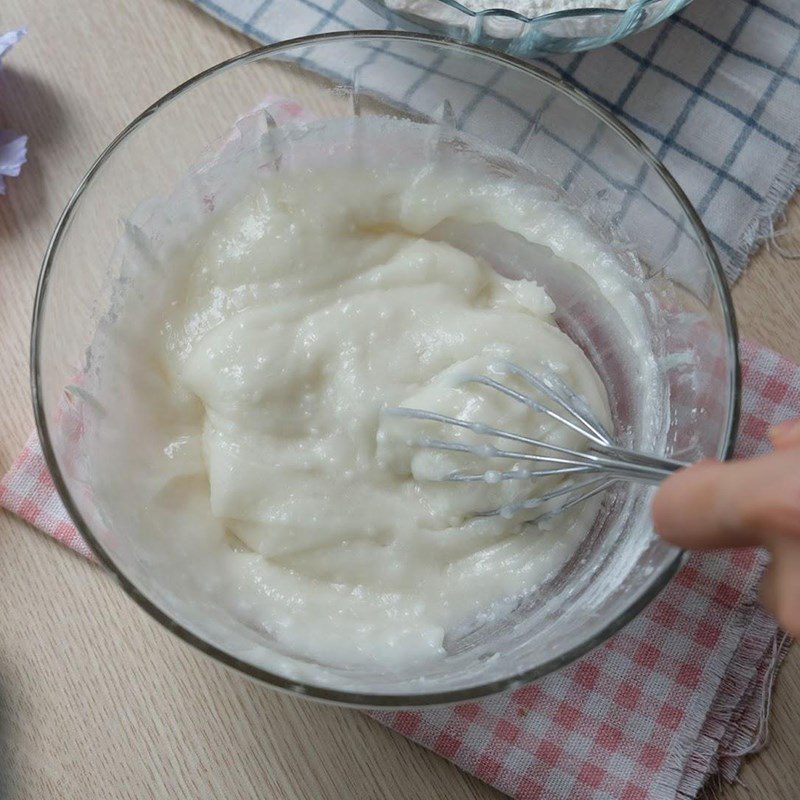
(735, 504)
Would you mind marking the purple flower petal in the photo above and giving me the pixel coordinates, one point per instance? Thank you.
(13, 150)
(7, 40)
(13, 146)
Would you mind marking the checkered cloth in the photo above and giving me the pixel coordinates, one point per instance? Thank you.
(714, 92)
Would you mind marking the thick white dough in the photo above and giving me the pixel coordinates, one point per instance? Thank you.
(311, 305)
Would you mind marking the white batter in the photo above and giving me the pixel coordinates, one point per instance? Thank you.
(268, 471)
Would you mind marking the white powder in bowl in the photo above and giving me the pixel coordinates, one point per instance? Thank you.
(503, 27)
(528, 8)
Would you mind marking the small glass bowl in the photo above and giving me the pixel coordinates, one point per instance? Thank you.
(544, 132)
(511, 32)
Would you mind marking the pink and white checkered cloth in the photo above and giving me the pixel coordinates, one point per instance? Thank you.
(677, 696)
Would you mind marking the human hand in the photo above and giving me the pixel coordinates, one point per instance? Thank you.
(742, 504)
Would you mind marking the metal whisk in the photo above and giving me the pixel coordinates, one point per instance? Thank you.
(588, 472)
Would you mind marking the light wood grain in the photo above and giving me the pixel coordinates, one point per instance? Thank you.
(96, 700)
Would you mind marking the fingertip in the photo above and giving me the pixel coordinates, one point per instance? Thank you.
(661, 508)
(677, 496)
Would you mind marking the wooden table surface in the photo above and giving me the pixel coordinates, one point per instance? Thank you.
(96, 700)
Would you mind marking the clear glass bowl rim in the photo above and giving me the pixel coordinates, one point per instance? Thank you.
(659, 579)
(571, 13)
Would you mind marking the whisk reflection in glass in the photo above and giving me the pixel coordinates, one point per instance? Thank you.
(588, 472)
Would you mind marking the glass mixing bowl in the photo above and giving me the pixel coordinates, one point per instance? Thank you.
(512, 32)
(205, 132)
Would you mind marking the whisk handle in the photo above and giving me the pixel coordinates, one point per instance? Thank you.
(639, 467)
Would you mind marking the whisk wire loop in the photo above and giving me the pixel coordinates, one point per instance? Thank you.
(600, 465)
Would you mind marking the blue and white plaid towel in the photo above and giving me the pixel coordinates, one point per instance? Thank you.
(714, 92)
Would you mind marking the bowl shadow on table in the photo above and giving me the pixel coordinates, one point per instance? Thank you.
(327, 751)
(30, 107)
(7, 766)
